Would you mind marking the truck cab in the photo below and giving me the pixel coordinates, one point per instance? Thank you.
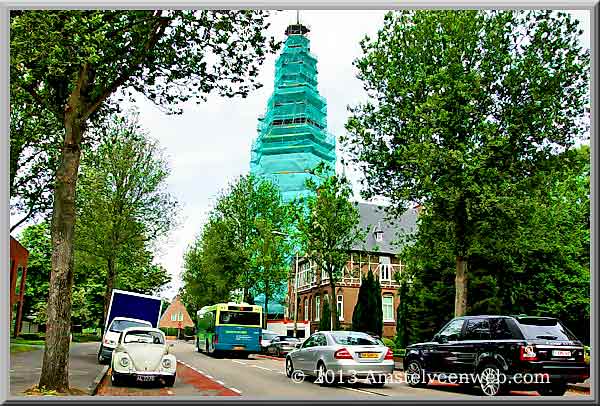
(112, 333)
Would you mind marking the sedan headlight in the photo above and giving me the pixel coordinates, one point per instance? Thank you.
(124, 362)
(166, 363)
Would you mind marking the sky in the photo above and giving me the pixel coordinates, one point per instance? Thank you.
(208, 146)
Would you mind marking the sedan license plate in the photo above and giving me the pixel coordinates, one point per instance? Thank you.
(368, 355)
(561, 353)
(145, 378)
(239, 347)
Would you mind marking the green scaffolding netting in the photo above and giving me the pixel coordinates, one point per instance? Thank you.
(292, 135)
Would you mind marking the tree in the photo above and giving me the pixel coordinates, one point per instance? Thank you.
(531, 258)
(325, 320)
(328, 229)
(122, 203)
(368, 311)
(36, 238)
(71, 62)
(465, 104)
(402, 315)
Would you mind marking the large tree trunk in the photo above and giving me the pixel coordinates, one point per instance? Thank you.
(55, 366)
(333, 304)
(110, 283)
(460, 282)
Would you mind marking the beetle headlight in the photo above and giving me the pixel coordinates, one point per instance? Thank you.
(166, 363)
(124, 362)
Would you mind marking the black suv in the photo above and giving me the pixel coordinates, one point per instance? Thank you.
(498, 353)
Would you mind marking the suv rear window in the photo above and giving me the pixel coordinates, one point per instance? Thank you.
(545, 329)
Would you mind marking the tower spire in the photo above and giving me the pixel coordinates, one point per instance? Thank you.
(297, 28)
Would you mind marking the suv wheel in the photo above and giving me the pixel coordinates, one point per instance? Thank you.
(552, 389)
(415, 374)
(491, 380)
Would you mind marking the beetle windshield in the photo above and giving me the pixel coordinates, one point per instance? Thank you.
(144, 337)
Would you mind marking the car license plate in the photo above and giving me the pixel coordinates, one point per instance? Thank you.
(239, 347)
(368, 355)
(561, 353)
(145, 378)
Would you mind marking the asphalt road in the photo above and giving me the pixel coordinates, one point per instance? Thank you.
(261, 378)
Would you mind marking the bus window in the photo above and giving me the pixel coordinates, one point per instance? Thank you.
(240, 318)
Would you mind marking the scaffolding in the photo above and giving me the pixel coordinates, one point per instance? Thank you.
(292, 135)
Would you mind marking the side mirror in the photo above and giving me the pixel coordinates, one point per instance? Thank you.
(441, 339)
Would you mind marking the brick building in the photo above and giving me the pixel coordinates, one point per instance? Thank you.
(176, 316)
(378, 253)
(18, 273)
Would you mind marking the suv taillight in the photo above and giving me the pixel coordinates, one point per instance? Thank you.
(527, 353)
(342, 353)
(389, 354)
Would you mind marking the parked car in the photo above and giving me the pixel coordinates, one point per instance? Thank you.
(111, 336)
(142, 354)
(492, 345)
(281, 345)
(349, 354)
(265, 339)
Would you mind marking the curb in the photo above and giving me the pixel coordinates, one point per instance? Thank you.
(269, 357)
(96, 382)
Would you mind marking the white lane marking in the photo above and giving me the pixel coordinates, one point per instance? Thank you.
(219, 382)
(364, 391)
(209, 377)
(236, 390)
(258, 366)
(239, 362)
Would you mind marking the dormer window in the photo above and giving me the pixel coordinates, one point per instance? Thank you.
(378, 232)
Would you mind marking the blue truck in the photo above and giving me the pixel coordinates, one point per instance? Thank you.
(127, 309)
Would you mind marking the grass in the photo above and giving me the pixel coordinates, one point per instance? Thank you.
(23, 348)
(21, 341)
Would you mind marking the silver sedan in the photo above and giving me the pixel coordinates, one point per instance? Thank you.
(335, 356)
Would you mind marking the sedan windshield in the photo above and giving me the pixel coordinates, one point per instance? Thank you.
(119, 325)
(144, 337)
(353, 338)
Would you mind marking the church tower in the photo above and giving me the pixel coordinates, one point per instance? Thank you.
(292, 135)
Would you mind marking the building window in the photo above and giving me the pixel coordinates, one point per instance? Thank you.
(388, 308)
(173, 317)
(340, 307)
(306, 316)
(180, 316)
(317, 308)
(385, 269)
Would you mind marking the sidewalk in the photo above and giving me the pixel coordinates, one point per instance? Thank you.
(26, 367)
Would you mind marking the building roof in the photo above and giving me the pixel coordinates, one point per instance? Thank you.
(373, 217)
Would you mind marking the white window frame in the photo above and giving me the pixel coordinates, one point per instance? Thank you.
(383, 305)
(173, 317)
(340, 307)
(306, 313)
(385, 268)
(317, 308)
(180, 316)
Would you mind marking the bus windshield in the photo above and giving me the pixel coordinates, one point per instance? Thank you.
(239, 318)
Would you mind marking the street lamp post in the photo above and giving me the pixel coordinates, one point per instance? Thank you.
(295, 286)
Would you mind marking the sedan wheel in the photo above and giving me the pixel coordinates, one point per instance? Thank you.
(322, 377)
(289, 367)
(490, 381)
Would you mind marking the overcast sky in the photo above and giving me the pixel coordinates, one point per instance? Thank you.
(209, 144)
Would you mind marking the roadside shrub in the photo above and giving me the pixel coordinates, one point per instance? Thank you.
(389, 343)
(85, 338)
(31, 336)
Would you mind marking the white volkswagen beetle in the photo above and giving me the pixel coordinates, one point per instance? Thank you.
(142, 354)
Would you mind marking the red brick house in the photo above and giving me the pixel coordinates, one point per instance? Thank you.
(176, 316)
(378, 253)
(18, 273)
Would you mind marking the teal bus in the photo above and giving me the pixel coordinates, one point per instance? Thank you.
(229, 327)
